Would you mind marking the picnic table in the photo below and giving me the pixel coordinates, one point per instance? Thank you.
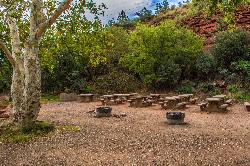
(86, 97)
(155, 97)
(213, 104)
(221, 97)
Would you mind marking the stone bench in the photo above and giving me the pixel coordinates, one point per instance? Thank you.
(203, 106)
(221, 97)
(223, 108)
(247, 106)
(213, 104)
(193, 101)
(85, 98)
(185, 97)
(103, 101)
(230, 102)
(182, 105)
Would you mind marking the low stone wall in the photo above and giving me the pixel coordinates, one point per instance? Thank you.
(67, 97)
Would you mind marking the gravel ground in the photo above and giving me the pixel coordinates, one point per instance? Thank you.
(141, 138)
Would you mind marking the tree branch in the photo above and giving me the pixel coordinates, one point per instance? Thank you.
(7, 53)
(15, 38)
(36, 17)
(44, 26)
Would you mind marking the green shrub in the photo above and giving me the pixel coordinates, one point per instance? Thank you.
(209, 88)
(239, 94)
(187, 87)
(5, 74)
(232, 89)
(168, 74)
(205, 67)
(231, 47)
(151, 47)
(15, 135)
(116, 82)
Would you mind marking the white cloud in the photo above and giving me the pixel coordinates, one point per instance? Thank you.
(129, 6)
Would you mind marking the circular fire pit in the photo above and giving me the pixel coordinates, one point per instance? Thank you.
(103, 112)
(175, 118)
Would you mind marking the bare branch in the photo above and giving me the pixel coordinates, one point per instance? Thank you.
(7, 53)
(42, 29)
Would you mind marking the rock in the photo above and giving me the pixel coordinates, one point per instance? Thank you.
(5, 115)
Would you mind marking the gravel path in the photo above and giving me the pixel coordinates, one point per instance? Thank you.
(142, 138)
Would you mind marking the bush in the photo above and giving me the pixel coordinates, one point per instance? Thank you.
(151, 47)
(5, 74)
(168, 74)
(242, 68)
(116, 82)
(205, 67)
(209, 88)
(187, 87)
(231, 47)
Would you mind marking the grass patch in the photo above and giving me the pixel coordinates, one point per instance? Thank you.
(68, 128)
(239, 94)
(49, 98)
(9, 134)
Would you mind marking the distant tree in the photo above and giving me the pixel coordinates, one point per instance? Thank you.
(172, 7)
(111, 22)
(122, 17)
(158, 8)
(144, 15)
(165, 4)
(186, 2)
(180, 4)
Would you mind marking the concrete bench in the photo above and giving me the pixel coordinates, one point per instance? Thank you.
(193, 101)
(203, 106)
(86, 98)
(223, 108)
(230, 102)
(182, 105)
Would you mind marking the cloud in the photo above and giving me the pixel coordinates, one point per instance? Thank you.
(129, 6)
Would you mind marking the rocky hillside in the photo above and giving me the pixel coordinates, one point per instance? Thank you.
(206, 26)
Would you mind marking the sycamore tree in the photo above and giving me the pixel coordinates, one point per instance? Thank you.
(24, 23)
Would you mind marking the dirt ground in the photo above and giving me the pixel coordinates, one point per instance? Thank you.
(141, 138)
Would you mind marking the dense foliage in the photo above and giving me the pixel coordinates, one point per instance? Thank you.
(232, 53)
(162, 54)
(127, 55)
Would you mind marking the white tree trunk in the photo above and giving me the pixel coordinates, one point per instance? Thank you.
(26, 90)
(26, 79)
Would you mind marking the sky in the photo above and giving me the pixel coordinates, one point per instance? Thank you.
(129, 6)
